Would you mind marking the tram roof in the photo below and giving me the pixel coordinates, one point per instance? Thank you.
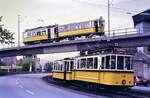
(104, 54)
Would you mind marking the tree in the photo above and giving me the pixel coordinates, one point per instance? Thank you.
(3, 63)
(26, 64)
(48, 66)
(6, 37)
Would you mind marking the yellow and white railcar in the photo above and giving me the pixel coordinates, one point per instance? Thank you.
(62, 69)
(82, 28)
(105, 69)
(39, 35)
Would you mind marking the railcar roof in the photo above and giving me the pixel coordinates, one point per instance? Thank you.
(103, 54)
(40, 27)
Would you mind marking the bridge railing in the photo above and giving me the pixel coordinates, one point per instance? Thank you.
(113, 33)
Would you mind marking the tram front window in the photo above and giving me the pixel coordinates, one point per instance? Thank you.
(103, 63)
(127, 63)
(120, 62)
(90, 63)
(95, 62)
(83, 63)
(107, 62)
(113, 62)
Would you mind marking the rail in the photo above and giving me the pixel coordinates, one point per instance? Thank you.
(126, 32)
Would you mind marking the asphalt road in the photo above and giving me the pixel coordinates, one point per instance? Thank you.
(32, 86)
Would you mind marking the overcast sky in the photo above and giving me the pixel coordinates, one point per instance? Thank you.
(67, 11)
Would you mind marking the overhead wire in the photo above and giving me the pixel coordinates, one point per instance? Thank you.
(120, 10)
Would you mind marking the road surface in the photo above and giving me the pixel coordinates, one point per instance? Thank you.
(32, 86)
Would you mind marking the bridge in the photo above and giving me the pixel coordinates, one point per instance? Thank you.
(126, 39)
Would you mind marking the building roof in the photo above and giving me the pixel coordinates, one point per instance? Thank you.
(141, 17)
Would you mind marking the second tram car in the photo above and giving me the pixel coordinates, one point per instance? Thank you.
(62, 69)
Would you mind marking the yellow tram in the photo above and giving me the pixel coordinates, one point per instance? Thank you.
(103, 69)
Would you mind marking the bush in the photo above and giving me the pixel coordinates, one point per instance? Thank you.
(26, 65)
(3, 63)
(48, 67)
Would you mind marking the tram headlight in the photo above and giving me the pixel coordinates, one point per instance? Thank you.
(123, 82)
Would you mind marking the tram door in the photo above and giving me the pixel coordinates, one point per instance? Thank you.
(96, 25)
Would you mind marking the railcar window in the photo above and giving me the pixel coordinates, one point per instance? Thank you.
(90, 63)
(83, 63)
(38, 33)
(107, 62)
(95, 63)
(131, 62)
(71, 65)
(127, 63)
(113, 62)
(78, 64)
(103, 63)
(67, 66)
(61, 67)
(120, 62)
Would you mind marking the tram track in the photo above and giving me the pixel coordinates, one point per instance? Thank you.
(102, 92)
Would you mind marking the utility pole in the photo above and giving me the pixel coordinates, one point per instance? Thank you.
(109, 17)
(18, 30)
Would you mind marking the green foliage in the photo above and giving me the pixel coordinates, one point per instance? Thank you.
(6, 37)
(3, 63)
(48, 67)
(26, 65)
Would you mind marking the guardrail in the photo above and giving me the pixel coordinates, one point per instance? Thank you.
(113, 33)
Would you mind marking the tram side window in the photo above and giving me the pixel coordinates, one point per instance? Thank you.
(113, 62)
(71, 65)
(103, 63)
(90, 63)
(78, 64)
(66, 65)
(83, 63)
(95, 63)
(120, 62)
(38, 33)
(127, 63)
(107, 62)
(61, 67)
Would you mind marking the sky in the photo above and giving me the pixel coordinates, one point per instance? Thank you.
(34, 13)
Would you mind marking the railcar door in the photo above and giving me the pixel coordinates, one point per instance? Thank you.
(52, 33)
(49, 33)
(96, 25)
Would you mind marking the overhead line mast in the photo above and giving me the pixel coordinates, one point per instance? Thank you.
(109, 17)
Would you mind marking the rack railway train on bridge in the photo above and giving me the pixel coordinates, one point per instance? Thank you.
(57, 32)
(104, 69)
